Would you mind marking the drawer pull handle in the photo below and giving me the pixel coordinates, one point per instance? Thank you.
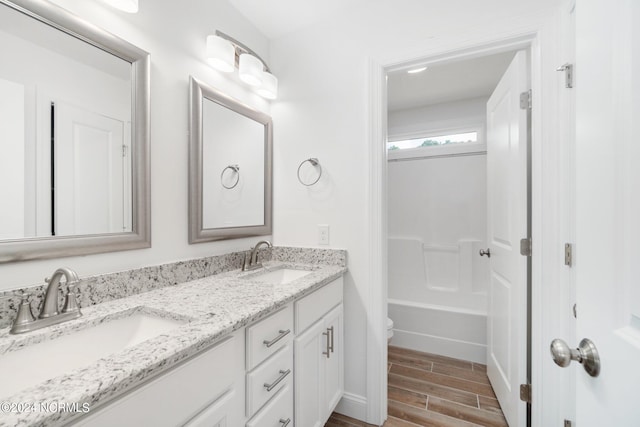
(286, 422)
(282, 376)
(282, 333)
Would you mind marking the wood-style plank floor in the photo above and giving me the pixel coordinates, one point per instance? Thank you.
(430, 390)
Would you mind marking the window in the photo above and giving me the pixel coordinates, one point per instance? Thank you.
(434, 141)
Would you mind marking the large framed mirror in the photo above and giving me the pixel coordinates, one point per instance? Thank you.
(230, 167)
(74, 126)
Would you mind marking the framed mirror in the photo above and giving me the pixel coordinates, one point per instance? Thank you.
(230, 166)
(74, 126)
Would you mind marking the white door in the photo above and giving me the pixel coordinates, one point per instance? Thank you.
(608, 209)
(90, 166)
(507, 224)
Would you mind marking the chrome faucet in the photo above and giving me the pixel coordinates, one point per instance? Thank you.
(251, 260)
(49, 313)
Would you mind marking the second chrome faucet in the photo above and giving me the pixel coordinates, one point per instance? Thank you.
(251, 259)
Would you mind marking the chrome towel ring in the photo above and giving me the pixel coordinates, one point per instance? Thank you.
(234, 168)
(314, 162)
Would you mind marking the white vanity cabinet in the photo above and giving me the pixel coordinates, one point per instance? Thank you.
(204, 391)
(319, 358)
(284, 370)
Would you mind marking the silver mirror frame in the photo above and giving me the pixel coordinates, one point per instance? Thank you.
(140, 236)
(197, 234)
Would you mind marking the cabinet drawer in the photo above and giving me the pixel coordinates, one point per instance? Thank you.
(311, 308)
(268, 336)
(278, 412)
(176, 396)
(264, 382)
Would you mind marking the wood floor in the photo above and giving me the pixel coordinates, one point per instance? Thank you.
(430, 390)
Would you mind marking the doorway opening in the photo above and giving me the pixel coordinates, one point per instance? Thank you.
(436, 276)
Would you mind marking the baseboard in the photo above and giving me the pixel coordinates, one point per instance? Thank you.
(353, 405)
(464, 350)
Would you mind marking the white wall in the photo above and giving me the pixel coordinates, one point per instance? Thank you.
(174, 33)
(430, 120)
(323, 111)
(437, 224)
(437, 211)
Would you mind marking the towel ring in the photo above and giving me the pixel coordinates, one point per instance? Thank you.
(234, 168)
(314, 162)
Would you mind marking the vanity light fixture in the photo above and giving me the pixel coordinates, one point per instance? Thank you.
(221, 54)
(129, 6)
(225, 53)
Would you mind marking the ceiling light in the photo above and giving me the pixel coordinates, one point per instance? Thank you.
(129, 6)
(221, 54)
(416, 70)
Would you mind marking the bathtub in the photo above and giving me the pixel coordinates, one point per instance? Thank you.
(437, 297)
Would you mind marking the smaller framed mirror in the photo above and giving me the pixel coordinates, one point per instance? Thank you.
(230, 167)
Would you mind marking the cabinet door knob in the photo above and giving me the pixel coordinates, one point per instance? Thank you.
(486, 252)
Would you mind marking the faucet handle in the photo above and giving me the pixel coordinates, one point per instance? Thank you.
(25, 315)
(71, 300)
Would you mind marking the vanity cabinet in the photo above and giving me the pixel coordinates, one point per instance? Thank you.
(284, 370)
(206, 390)
(319, 357)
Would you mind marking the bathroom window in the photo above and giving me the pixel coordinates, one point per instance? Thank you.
(434, 141)
(449, 142)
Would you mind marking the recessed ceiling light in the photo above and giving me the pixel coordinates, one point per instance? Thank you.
(416, 70)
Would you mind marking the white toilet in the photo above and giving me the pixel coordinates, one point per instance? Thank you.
(389, 330)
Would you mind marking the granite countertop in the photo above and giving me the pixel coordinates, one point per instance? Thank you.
(211, 308)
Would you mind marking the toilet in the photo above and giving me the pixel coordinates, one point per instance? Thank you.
(389, 330)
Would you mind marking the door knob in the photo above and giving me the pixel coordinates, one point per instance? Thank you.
(485, 252)
(586, 354)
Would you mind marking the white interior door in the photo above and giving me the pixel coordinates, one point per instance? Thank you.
(507, 224)
(90, 190)
(608, 209)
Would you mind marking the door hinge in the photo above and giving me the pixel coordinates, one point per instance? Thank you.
(525, 100)
(568, 254)
(568, 423)
(124, 150)
(568, 74)
(525, 247)
(525, 392)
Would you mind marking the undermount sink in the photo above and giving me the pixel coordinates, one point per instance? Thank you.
(39, 362)
(280, 276)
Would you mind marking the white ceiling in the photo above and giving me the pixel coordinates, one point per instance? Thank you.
(275, 18)
(450, 82)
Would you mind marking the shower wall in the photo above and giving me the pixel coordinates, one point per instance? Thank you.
(437, 225)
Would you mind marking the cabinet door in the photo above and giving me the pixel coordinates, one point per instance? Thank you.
(334, 363)
(308, 376)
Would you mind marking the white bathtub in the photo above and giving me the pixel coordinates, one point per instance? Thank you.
(448, 331)
(437, 297)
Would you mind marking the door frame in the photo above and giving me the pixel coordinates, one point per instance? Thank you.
(377, 209)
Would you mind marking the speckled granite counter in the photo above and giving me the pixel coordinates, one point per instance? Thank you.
(212, 307)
